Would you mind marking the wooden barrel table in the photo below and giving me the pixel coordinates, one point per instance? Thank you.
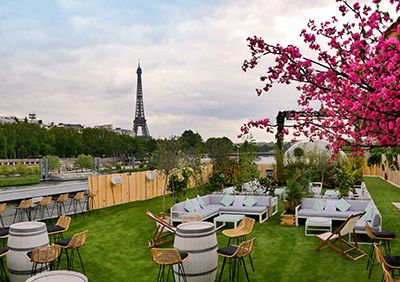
(200, 240)
(22, 238)
(58, 275)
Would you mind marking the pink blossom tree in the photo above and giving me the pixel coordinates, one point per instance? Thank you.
(353, 76)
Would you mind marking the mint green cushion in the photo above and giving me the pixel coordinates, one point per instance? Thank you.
(227, 200)
(249, 201)
(342, 205)
(318, 205)
(368, 213)
(201, 202)
(189, 206)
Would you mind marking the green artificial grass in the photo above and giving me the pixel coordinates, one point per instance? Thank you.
(117, 250)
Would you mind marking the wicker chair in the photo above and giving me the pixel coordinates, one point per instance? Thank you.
(72, 244)
(192, 218)
(78, 199)
(235, 256)
(24, 206)
(3, 272)
(387, 275)
(56, 232)
(390, 263)
(60, 204)
(44, 204)
(377, 237)
(168, 258)
(43, 258)
(3, 207)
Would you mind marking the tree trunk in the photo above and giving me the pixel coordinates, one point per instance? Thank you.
(165, 191)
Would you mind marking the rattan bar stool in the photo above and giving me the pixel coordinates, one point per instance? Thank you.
(70, 245)
(390, 263)
(3, 207)
(3, 272)
(43, 258)
(90, 202)
(239, 234)
(387, 275)
(377, 237)
(60, 204)
(168, 257)
(56, 232)
(235, 256)
(44, 204)
(192, 218)
(77, 200)
(3, 235)
(24, 206)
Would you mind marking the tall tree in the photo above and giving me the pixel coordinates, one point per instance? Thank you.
(219, 150)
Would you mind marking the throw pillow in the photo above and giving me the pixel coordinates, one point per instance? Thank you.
(318, 205)
(342, 205)
(249, 201)
(201, 202)
(368, 213)
(227, 200)
(196, 204)
(189, 207)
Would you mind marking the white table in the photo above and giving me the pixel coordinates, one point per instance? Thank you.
(317, 224)
(58, 275)
(224, 218)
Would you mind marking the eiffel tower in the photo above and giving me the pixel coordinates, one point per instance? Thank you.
(140, 120)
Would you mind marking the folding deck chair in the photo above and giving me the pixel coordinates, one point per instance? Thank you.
(164, 233)
(330, 238)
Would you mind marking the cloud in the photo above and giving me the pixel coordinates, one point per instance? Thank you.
(82, 68)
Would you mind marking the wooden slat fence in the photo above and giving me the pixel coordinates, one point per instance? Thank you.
(393, 176)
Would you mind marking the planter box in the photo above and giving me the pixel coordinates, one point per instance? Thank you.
(270, 211)
(288, 219)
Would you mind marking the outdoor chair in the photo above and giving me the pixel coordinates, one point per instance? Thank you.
(164, 233)
(24, 206)
(390, 263)
(60, 204)
(43, 258)
(3, 272)
(280, 192)
(44, 204)
(168, 258)
(56, 232)
(3, 207)
(377, 237)
(3, 235)
(239, 234)
(387, 275)
(78, 199)
(192, 218)
(72, 244)
(315, 189)
(235, 256)
(346, 228)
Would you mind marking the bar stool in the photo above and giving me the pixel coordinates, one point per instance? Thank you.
(376, 237)
(73, 244)
(44, 258)
(390, 263)
(3, 273)
(56, 232)
(235, 256)
(44, 204)
(60, 204)
(3, 235)
(90, 203)
(168, 257)
(239, 234)
(24, 206)
(3, 207)
(77, 199)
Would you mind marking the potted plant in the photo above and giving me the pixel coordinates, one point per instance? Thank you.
(296, 189)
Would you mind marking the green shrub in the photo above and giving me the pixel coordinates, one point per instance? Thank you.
(21, 169)
(16, 181)
(6, 170)
(54, 162)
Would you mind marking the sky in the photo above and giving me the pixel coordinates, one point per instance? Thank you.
(74, 61)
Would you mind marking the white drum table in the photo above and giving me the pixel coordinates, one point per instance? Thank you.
(224, 218)
(317, 224)
(59, 276)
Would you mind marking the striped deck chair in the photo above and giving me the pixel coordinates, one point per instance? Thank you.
(164, 233)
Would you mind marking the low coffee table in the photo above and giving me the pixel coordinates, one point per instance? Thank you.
(224, 218)
(317, 224)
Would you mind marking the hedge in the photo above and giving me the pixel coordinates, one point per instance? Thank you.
(22, 180)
